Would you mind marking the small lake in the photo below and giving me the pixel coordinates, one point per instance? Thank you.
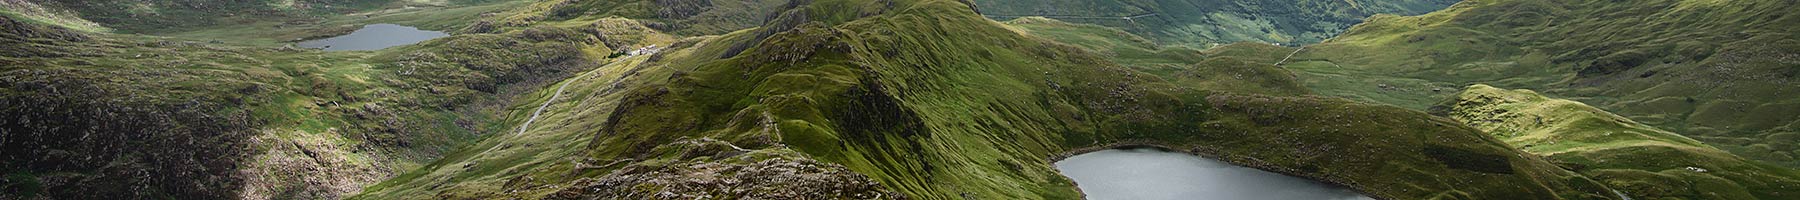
(1153, 174)
(374, 37)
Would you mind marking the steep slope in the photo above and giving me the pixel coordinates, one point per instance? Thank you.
(680, 17)
(1642, 161)
(155, 16)
(929, 100)
(1207, 23)
(1235, 71)
(249, 23)
(1722, 72)
(110, 116)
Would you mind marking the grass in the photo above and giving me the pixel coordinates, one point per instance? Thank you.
(923, 98)
(300, 123)
(1246, 70)
(1642, 161)
(1708, 70)
(274, 33)
(1205, 24)
(150, 17)
(28, 11)
(932, 101)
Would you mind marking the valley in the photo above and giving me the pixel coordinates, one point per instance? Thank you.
(896, 99)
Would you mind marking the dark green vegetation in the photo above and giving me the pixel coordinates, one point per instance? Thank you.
(681, 17)
(1722, 72)
(1639, 160)
(1207, 23)
(1246, 69)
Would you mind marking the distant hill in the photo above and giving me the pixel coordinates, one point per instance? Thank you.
(1642, 161)
(1722, 72)
(153, 16)
(1204, 23)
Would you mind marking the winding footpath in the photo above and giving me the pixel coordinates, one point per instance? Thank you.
(652, 49)
(540, 109)
(1283, 59)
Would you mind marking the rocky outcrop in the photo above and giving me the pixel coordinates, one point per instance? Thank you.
(21, 39)
(769, 179)
(79, 134)
(681, 9)
(14, 30)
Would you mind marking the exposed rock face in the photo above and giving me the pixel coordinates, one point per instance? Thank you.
(306, 168)
(109, 117)
(681, 9)
(23, 39)
(70, 136)
(15, 30)
(768, 179)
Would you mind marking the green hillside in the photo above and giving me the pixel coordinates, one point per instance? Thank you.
(114, 116)
(1207, 23)
(1717, 71)
(160, 16)
(1639, 160)
(893, 99)
(929, 100)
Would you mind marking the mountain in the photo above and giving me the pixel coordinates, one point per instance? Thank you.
(889, 99)
(156, 16)
(94, 115)
(1717, 71)
(929, 100)
(1204, 24)
(1639, 160)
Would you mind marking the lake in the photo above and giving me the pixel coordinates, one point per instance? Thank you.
(1152, 174)
(374, 37)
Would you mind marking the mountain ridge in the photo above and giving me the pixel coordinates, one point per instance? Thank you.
(932, 113)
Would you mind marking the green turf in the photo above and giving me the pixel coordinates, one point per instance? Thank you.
(922, 98)
(1642, 161)
(1204, 24)
(933, 101)
(1710, 70)
(275, 122)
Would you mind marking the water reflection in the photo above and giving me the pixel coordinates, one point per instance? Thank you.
(1150, 174)
(374, 37)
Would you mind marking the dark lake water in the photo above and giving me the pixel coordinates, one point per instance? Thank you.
(1153, 174)
(374, 37)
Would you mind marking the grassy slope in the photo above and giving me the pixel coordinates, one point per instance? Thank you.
(679, 17)
(1244, 70)
(313, 124)
(1642, 161)
(30, 11)
(933, 101)
(283, 31)
(163, 16)
(481, 167)
(1718, 71)
(1207, 23)
(268, 24)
